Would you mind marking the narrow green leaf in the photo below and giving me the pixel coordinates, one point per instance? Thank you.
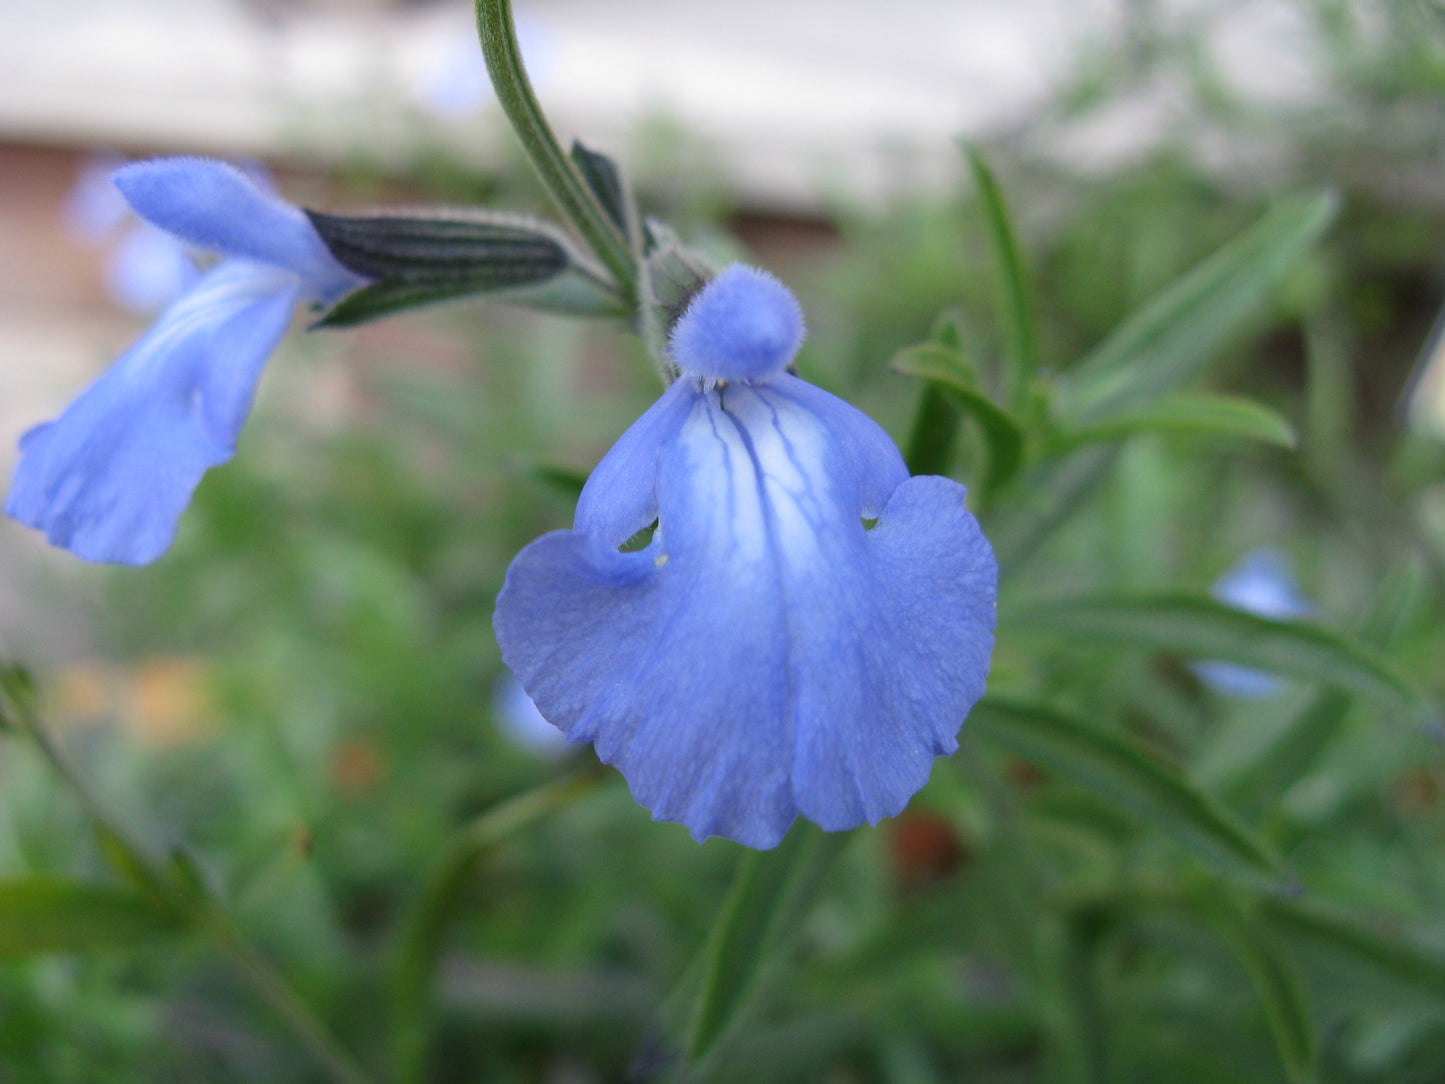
(17, 693)
(1018, 316)
(1125, 774)
(1395, 960)
(1200, 413)
(44, 914)
(1199, 627)
(935, 428)
(1258, 756)
(422, 930)
(948, 368)
(1280, 992)
(771, 895)
(1043, 499)
(605, 180)
(1174, 336)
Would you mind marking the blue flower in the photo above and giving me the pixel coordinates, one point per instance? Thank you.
(109, 479)
(1261, 584)
(807, 627)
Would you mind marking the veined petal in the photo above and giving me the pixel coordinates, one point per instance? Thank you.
(215, 206)
(110, 477)
(765, 655)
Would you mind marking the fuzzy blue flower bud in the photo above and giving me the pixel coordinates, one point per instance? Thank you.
(745, 325)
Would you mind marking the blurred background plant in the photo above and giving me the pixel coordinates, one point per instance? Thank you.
(1147, 362)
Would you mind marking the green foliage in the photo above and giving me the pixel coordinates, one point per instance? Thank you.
(317, 822)
(46, 914)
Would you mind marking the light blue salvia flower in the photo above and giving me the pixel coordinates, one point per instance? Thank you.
(109, 479)
(807, 627)
(1260, 584)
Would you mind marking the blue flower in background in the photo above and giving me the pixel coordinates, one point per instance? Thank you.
(109, 479)
(145, 267)
(807, 627)
(1261, 584)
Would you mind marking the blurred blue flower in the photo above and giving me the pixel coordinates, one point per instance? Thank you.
(807, 626)
(94, 207)
(148, 269)
(519, 721)
(1261, 584)
(456, 83)
(145, 268)
(110, 477)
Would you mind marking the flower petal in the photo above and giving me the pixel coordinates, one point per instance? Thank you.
(215, 206)
(765, 655)
(620, 497)
(110, 477)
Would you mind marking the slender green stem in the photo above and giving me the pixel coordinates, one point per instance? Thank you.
(421, 932)
(751, 939)
(559, 175)
(194, 909)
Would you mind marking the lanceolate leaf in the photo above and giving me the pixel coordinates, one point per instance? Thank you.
(773, 892)
(1121, 772)
(1192, 413)
(1280, 992)
(605, 180)
(43, 914)
(1395, 960)
(1018, 316)
(1200, 627)
(1001, 431)
(1167, 342)
(1173, 337)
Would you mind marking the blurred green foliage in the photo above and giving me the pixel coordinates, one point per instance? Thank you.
(1123, 874)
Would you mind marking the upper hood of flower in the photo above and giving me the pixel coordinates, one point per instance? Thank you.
(215, 206)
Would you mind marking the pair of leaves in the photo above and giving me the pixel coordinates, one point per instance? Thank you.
(1128, 384)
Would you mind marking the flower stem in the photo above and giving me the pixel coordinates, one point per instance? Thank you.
(754, 933)
(420, 943)
(194, 908)
(559, 176)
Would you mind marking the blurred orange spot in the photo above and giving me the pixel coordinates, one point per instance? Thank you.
(1416, 793)
(924, 849)
(170, 700)
(164, 700)
(82, 690)
(357, 765)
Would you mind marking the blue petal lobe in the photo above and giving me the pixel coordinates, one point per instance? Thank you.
(215, 206)
(109, 479)
(765, 655)
(918, 663)
(620, 497)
